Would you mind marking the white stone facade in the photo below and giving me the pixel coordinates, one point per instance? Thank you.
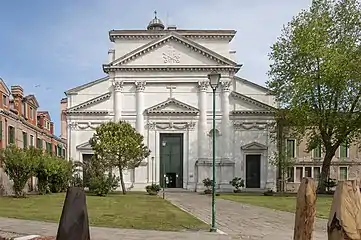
(157, 81)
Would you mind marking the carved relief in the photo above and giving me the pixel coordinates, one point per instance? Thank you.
(171, 56)
(73, 125)
(84, 125)
(140, 85)
(225, 85)
(118, 85)
(203, 85)
(171, 125)
(239, 125)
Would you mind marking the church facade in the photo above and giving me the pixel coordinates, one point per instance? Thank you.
(156, 79)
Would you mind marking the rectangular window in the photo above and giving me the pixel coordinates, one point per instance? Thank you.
(5, 100)
(308, 171)
(59, 152)
(23, 110)
(48, 148)
(344, 150)
(39, 143)
(299, 174)
(291, 148)
(31, 113)
(317, 151)
(25, 140)
(316, 173)
(343, 172)
(63, 153)
(31, 140)
(1, 130)
(290, 174)
(11, 135)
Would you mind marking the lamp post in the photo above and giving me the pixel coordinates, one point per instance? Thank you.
(214, 78)
(164, 143)
(152, 170)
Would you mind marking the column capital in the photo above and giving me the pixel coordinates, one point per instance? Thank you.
(225, 85)
(140, 85)
(203, 85)
(118, 86)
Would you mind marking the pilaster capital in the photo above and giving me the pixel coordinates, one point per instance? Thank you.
(140, 85)
(225, 85)
(118, 86)
(203, 85)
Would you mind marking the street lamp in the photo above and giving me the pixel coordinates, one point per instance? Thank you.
(214, 78)
(164, 143)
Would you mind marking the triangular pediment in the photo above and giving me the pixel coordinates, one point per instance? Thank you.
(254, 146)
(31, 99)
(246, 103)
(173, 49)
(84, 146)
(93, 104)
(172, 106)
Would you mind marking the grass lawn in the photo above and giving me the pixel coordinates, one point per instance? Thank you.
(279, 202)
(134, 210)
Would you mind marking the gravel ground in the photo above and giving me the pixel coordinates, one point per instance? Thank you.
(9, 235)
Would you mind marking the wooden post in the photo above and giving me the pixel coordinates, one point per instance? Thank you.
(344, 222)
(305, 210)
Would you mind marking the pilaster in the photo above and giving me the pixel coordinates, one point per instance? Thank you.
(117, 103)
(202, 124)
(227, 142)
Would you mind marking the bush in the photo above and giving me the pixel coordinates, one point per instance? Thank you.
(19, 166)
(208, 183)
(237, 183)
(329, 184)
(61, 175)
(153, 189)
(100, 182)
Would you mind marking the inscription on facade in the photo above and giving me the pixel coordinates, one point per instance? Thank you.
(171, 56)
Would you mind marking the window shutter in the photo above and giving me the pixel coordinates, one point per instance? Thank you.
(343, 150)
(1, 130)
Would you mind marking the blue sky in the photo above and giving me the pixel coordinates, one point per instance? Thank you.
(62, 44)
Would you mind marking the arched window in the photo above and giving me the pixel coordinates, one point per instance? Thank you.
(218, 143)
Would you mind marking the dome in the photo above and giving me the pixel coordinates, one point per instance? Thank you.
(155, 23)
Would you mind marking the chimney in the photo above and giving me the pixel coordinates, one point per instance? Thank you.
(111, 55)
(18, 94)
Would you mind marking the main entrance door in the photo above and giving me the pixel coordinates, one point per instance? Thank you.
(171, 160)
(253, 171)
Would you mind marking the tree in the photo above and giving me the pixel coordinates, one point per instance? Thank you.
(315, 75)
(119, 145)
(18, 166)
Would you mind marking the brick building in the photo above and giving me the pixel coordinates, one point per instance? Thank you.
(22, 123)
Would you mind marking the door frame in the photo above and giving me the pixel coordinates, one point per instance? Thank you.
(163, 135)
(260, 168)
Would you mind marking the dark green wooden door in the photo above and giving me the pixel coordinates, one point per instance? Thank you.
(253, 171)
(171, 160)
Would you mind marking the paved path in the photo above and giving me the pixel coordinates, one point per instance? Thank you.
(242, 221)
(26, 227)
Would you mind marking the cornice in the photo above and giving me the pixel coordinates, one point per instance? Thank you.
(252, 101)
(88, 113)
(35, 128)
(157, 109)
(252, 112)
(165, 68)
(195, 34)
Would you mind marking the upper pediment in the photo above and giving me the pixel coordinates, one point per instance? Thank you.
(246, 103)
(99, 103)
(172, 106)
(173, 49)
(254, 146)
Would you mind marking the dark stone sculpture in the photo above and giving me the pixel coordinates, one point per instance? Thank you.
(74, 224)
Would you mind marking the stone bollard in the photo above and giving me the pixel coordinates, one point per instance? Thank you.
(305, 210)
(344, 222)
(74, 224)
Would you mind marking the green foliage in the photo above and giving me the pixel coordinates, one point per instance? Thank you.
(237, 183)
(118, 144)
(101, 180)
(153, 189)
(315, 75)
(18, 166)
(208, 183)
(330, 183)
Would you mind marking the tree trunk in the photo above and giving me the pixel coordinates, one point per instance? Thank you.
(344, 220)
(321, 188)
(305, 210)
(122, 180)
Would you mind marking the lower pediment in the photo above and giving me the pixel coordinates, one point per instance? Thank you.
(172, 106)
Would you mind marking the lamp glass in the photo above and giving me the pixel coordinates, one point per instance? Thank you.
(164, 143)
(214, 78)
